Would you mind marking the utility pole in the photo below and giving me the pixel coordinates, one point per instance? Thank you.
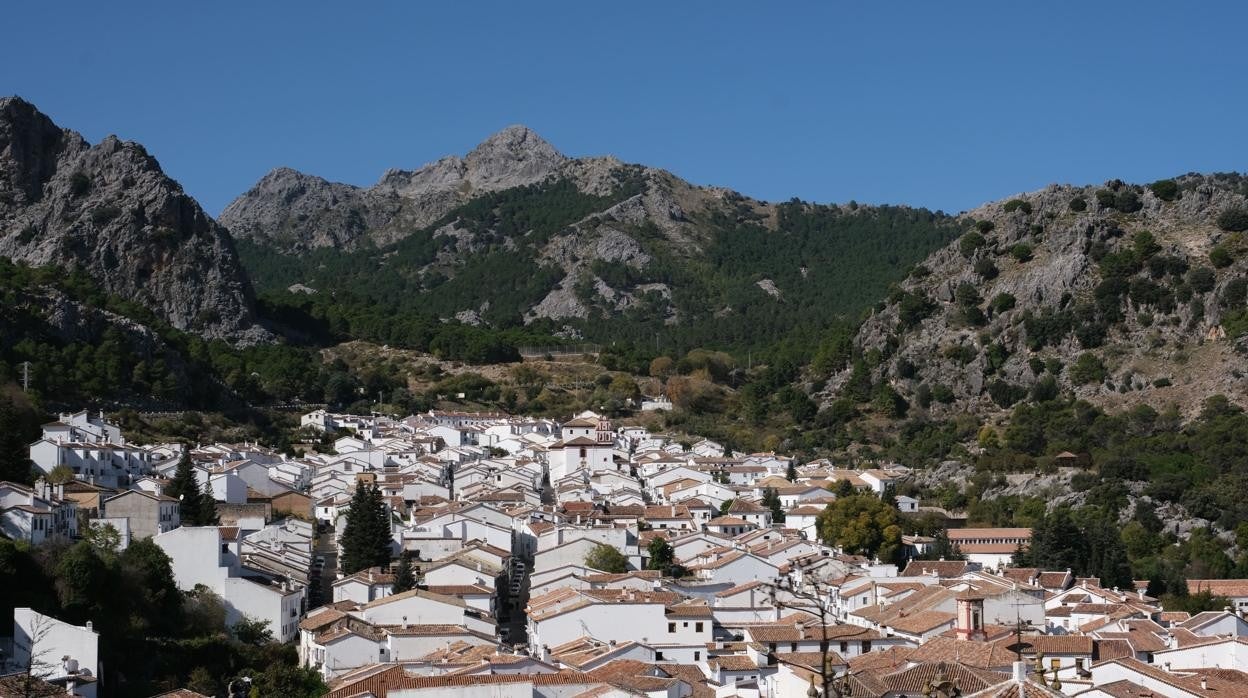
(25, 376)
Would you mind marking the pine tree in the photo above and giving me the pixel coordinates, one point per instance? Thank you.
(185, 488)
(207, 515)
(367, 535)
(771, 500)
(14, 453)
(404, 579)
(384, 528)
(791, 473)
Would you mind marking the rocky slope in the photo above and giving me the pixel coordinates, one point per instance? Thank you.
(109, 210)
(517, 233)
(1121, 294)
(295, 211)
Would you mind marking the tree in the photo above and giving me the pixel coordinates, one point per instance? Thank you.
(404, 578)
(662, 555)
(14, 451)
(771, 500)
(607, 559)
(942, 549)
(861, 524)
(843, 488)
(790, 473)
(366, 537)
(206, 514)
(723, 508)
(289, 681)
(185, 488)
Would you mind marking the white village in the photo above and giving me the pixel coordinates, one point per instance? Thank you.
(528, 557)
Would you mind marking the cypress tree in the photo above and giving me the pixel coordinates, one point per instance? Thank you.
(14, 452)
(366, 537)
(185, 488)
(404, 579)
(207, 515)
(791, 473)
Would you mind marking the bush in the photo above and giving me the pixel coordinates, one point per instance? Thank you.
(1105, 198)
(1002, 302)
(1201, 279)
(942, 393)
(1128, 201)
(1078, 204)
(1022, 252)
(1161, 383)
(1220, 257)
(1017, 205)
(1006, 394)
(969, 243)
(79, 184)
(985, 226)
(986, 268)
(104, 214)
(1165, 189)
(1234, 220)
(1087, 369)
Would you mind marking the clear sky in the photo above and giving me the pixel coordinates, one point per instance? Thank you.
(940, 104)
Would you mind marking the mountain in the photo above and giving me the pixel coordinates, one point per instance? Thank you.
(515, 235)
(108, 210)
(295, 211)
(1120, 294)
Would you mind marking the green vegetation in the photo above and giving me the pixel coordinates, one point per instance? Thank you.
(606, 559)
(367, 536)
(1165, 189)
(1234, 219)
(153, 638)
(404, 577)
(862, 524)
(1078, 204)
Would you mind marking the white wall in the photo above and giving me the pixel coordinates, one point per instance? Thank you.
(49, 639)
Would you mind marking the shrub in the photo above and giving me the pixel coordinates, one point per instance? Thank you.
(104, 214)
(1045, 389)
(1201, 279)
(1234, 294)
(1002, 302)
(1006, 394)
(961, 353)
(1161, 383)
(1022, 252)
(1078, 204)
(986, 268)
(79, 184)
(942, 394)
(1128, 201)
(966, 294)
(1036, 364)
(1087, 369)
(1234, 219)
(985, 226)
(1165, 189)
(1105, 198)
(1017, 205)
(969, 243)
(1220, 257)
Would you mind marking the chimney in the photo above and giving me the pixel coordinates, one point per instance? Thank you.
(1020, 671)
(1204, 683)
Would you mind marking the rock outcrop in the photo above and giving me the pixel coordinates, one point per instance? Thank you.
(1115, 272)
(294, 211)
(109, 210)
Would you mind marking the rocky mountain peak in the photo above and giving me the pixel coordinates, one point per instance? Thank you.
(110, 211)
(514, 154)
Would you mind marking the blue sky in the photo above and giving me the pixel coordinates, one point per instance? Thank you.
(940, 104)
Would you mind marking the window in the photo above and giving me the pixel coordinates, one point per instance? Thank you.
(225, 547)
(844, 647)
(696, 655)
(1055, 664)
(583, 451)
(671, 627)
(792, 646)
(866, 646)
(658, 656)
(697, 627)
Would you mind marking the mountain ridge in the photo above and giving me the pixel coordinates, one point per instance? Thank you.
(110, 210)
(1119, 294)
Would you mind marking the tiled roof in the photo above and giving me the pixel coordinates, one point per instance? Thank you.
(396, 679)
(733, 662)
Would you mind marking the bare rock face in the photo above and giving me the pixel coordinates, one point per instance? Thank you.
(110, 211)
(294, 211)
